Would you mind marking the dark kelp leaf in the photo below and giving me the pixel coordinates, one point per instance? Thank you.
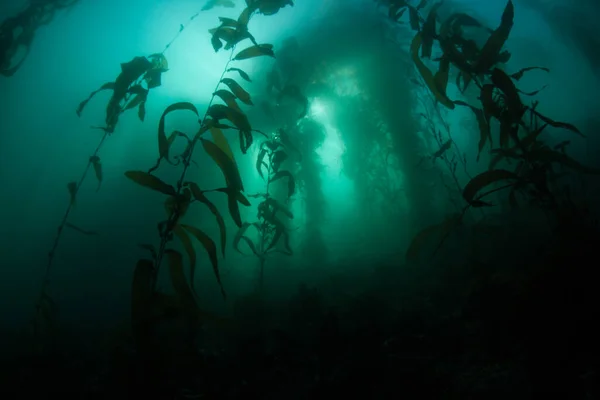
(238, 91)
(228, 98)
(72, 188)
(150, 181)
(163, 144)
(429, 31)
(106, 86)
(443, 149)
(427, 75)
(519, 74)
(414, 18)
(441, 76)
(255, 51)
(211, 248)
(484, 126)
(220, 140)
(439, 231)
(260, 162)
(199, 196)
(189, 249)
(291, 181)
(513, 101)
(142, 111)
(80, 230)
(240, 236)
(141, 295)
(232, 177)
(485, 179)
(243, 74)
(219, 111)
(97, 165)
(557, 124)
(491, 50)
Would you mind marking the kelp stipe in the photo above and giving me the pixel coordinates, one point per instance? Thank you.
(145, 298)
(271, 229)
(534, 178)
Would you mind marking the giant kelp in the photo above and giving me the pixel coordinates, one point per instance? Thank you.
(519, 125)
(18, 32)
(146, 298)
(271, 229)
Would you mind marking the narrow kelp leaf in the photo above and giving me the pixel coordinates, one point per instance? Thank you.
(515, 106)
(242, 73)
(183, 291)
(80, 230)
(163, 143)
(439, 231)
(72, 188)
(228, 98)
(414, 18)
(441, 76)
(150, 181)
(255, 51)
(238, 91)
(429, 31)
(186, 242)
(211, 248)
(260, 162)
(519, 74)
(484, 126)
(219, 111)
(232, 177)
(106, 86)
(493, 46)
(97, 165)
(427, 75)
(443, 149)
(141, 296)
(220, 140)
(240, 236)
(199, 196)
(485, 179)
(291, 181)
(557, 124)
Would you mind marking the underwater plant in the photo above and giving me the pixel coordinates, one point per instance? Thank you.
(148, 304)
(535, 177)
(271, 229)
(19, 31)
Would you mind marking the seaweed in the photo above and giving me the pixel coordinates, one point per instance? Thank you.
(184, 193)
(19, 31)
(270, 228)
(520, 125)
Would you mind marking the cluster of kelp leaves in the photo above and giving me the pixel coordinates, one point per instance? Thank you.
(17, 32)
(486, 337)
(536, 177)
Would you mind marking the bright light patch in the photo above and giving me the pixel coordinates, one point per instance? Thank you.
(332, 148)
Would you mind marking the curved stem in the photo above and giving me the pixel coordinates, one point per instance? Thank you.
(63, 222)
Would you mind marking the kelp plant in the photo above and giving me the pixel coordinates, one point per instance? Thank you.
(535, 177)
(129, 90)
(271, 229)
(18, 32)
(147, 303)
